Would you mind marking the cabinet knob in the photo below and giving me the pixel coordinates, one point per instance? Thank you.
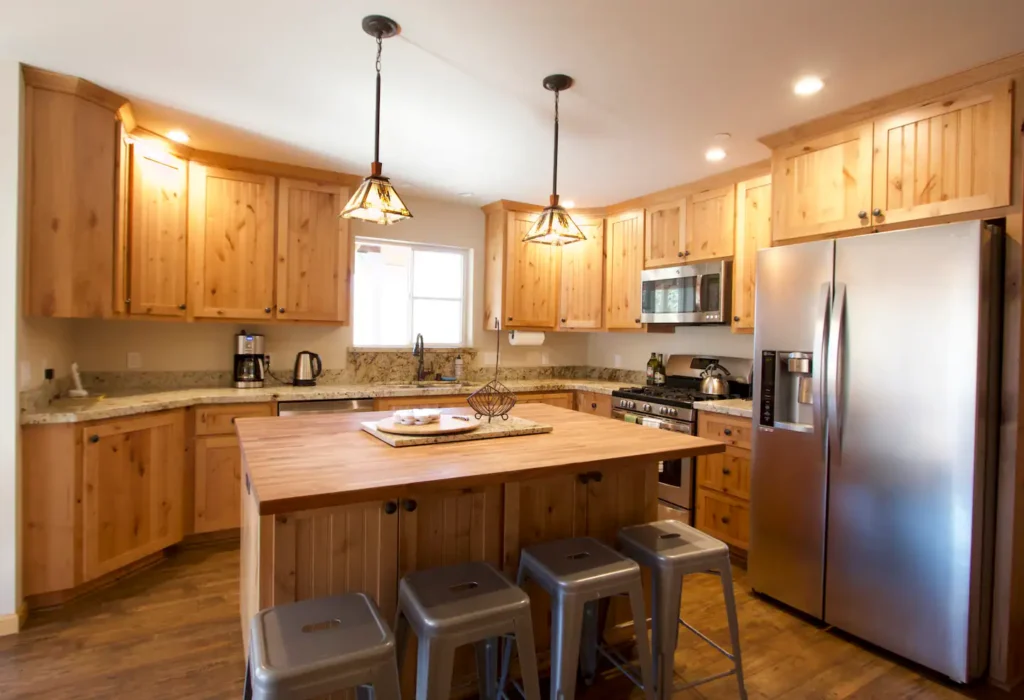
(636, 320)
(726, 471)
(735, 318)
(563, 320)
(409, 505)
(280, 309)
(686, 253)
(509, 318)
(725, 519)
(583, 478)
(862, 214)
(680, 253)
(390, 507)
(181, 306)
(876, 212)
(596, 476)
(593, 405)
(727, 431)
(267, 310)
(94, 439)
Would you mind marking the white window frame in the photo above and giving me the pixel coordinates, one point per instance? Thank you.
(426, 247)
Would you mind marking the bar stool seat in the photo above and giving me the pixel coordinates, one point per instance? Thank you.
(470, 603)
(577, 573)
(673, 549)
(320, 646)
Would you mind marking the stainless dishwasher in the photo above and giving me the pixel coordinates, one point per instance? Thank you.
(305, 408)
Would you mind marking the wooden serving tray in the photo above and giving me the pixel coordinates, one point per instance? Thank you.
(497, 428)
(447, 425)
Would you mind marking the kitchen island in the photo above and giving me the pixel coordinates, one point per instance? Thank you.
(328, 508)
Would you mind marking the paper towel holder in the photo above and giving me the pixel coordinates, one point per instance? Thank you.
(529, 338)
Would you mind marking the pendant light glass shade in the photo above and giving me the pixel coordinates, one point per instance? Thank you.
(554, 227)
(376, 200)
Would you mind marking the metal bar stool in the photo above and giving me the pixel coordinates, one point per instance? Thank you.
(316, 647)
(471, 603)
(673, 550)
(577, 573)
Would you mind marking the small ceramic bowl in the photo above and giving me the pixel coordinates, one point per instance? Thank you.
(417, 416)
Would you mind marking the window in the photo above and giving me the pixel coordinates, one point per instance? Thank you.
(402, 289)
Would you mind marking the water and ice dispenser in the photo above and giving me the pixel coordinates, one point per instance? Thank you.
(786, 387)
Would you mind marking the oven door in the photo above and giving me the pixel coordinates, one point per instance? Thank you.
(690, 294)
(675, 476)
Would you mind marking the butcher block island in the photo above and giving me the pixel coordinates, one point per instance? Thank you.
(327, 508)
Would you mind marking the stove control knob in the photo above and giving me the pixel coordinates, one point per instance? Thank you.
(663, 411)
(647, 407)
(632, 404)
(622, 403)
(672, 411)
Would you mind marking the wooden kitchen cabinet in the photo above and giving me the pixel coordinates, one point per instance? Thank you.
(594, 403)
(559, 399)
(581, 303)
(945, 157)
(314, 252)
(156, 234)
(531, 277)
(728, 472)
(70, 173)
(722, 501)
(231, 242)
(132, 489)
(753, 232)
(665, 238)
(710, 225)
(625, 261)
(724, 517)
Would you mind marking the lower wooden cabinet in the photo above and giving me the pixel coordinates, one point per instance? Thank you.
(218, 467)
(593, 403)
(395, 403)
(563, 399)
(132, 489)
(724, 517)
(722, 502)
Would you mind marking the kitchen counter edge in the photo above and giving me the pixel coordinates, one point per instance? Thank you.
(741, 408)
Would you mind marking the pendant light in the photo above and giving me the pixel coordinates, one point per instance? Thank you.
(555, 226)
(376, 199)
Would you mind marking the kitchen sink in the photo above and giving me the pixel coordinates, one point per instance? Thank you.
(426, 385)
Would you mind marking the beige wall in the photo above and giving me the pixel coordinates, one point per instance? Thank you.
(632, 350)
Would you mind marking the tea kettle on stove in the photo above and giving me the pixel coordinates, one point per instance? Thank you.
(712, 380)
(307, 368)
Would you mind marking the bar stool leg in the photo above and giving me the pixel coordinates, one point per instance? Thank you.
(487, 668)
(566, 628)
(643, 647)
(386, 684)
(401, 636)
(247, 688)
(590, 639)
(527, 657)
(668, 588)
(734, 625)
(435, 664)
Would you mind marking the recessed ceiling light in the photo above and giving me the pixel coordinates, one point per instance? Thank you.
(568, 204)
(177, 135)
(465, 194)
(808, 85)
(714, 154)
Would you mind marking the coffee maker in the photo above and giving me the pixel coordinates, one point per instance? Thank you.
(249, 357)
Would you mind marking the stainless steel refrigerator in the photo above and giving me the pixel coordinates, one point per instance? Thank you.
(875, 404)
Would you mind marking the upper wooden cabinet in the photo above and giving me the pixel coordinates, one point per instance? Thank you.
(314, 252)
(710, 225)
(157, 244)
(945, 157)
(231, 231)
(531, 277)
(581, 302)
(665, 238)
(71, 161)
(753, 232)
(625, 262)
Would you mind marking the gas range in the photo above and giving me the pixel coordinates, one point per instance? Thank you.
(662, 401)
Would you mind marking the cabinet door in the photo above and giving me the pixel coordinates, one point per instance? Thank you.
(822, 186)
(594, 404)
(559, 400)
(218, 467)
(724, 517)
(625, 262)
(531, 277)
(946, 157)
(133, 482)
(231, 231)
(753, 232)
(314, 252)
(710, 225)
(728, 472)
(666, 234)
(582, 298)
(157, 249)
(71, 154)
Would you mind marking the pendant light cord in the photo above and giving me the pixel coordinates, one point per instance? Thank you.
(376, 125)
(554, 175)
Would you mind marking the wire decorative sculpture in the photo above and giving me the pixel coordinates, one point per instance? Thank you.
(494, 398)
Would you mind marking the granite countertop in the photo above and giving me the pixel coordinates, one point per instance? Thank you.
(114, 405)
(743, 408)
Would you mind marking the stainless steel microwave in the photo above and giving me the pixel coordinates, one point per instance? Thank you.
(688, 294)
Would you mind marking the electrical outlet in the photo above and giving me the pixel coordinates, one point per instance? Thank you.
(617, 361)
(134, 360)
(266, 359)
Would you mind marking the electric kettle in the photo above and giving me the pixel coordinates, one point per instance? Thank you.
(307, 368)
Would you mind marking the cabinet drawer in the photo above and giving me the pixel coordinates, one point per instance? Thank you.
(594, 404)
(723, 517)
(728, 472)
(728, 429)
(219, 420)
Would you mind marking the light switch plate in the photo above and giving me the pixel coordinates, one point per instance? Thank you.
(134, 360)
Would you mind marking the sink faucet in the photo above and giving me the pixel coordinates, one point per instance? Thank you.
(417, 351)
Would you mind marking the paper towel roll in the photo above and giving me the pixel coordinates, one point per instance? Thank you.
(525, 338)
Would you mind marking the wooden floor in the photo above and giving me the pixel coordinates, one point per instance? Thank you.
(172, 632)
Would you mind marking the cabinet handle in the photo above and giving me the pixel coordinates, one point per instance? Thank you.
(94, 439)
(248, 486)
(862, 214)
(509, 318)
(390, 507)
(680, 253)
(593, 405)
(596, 476)
(726, 471)
(725, 519)
(563, 320)
(727, 431)
(181, 306)
(233, 419)
(409, 505)
(686, 253)
(877, 212)
(735, 318)
(280, 309)
(637, 321)
(583, 478)
(267, 310)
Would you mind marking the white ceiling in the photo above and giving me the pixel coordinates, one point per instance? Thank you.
(463, 106)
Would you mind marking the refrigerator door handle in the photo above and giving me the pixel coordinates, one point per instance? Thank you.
(819, 364)
(835, 374)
